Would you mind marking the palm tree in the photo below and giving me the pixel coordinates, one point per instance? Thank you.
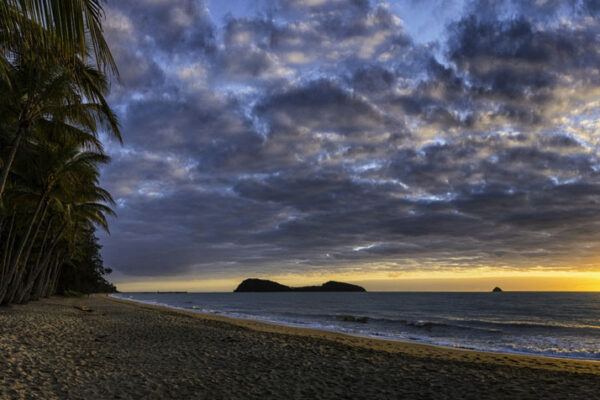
(85, 209)
(62, 164)
(53, 65)
(74, 25)
(49, 94)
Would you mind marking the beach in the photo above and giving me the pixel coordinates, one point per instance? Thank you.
(102, 348)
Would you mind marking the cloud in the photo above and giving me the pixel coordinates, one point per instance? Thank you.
(320, 106)
(519, 71)
(171, 26)
(321, 135)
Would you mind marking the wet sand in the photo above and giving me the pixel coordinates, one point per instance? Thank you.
(52, 349)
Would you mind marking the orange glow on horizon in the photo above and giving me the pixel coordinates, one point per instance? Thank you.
(468, 281)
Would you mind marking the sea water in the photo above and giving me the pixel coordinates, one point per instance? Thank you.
(557, 324)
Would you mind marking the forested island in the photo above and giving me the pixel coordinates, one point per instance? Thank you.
(264, 285)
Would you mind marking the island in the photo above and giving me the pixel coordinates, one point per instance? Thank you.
(264, 285)
(497, 289)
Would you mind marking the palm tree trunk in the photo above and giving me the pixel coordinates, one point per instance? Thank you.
(35, 273)
(36, 291)
(45, 282)
(43, 244)
(50, 287)
(6, 256)
(54, 284)
(18, 278)
(2, 222)
(10, 245)
(42, 279)
(13, 267)
(11, 159)
(24, 294)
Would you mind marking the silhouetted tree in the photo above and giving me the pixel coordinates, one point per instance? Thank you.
(52, 107)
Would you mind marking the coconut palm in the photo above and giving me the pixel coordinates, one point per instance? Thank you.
(83, 211)
(73, 26)
(61, 164)
(53, 65)
(47, 94)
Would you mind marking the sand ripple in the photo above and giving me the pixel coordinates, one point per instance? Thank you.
(52, 350)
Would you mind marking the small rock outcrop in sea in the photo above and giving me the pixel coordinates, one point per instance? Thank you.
(497, 289)
(264, 285)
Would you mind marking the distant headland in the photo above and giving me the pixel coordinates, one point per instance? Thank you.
(264, 285)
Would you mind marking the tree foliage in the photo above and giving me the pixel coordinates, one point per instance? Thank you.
(52, 109)
(85, 274)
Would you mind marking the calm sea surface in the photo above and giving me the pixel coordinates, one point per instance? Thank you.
(551, 324)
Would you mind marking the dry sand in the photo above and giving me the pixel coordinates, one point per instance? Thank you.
(120, 350)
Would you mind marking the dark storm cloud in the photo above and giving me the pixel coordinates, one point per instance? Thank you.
(513, 58)
(319, 106)
(186, 126)
(546, 11)
(372, 79)
(518, 69)
(319, 134)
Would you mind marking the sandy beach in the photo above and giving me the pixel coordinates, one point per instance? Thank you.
(58, 349)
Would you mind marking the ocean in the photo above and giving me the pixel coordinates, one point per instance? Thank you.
(557, 324)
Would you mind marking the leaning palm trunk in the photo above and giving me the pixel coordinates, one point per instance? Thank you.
(15, 262)
(17, 282)
(43, 287)
(53, 277)
(41, 283)
(10, 239)
(11, 159)
(2, 223)
(37, 289)
(32, 284)
(39, 267)
(24, 293)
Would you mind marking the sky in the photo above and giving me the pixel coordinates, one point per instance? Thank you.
(402, 145)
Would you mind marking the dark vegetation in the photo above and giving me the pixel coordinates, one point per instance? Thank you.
(53, 83)
(264, 285)
(86, 276)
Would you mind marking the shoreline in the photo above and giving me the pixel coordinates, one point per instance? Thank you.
(384, 344)
(99, 347)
